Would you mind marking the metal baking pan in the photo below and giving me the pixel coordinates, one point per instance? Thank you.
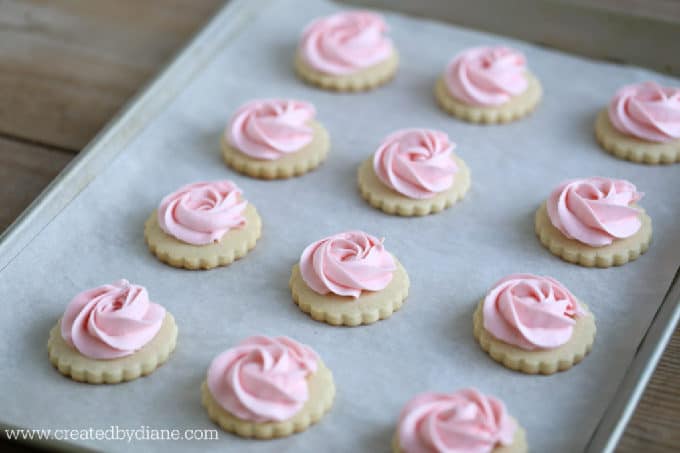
(150, 103)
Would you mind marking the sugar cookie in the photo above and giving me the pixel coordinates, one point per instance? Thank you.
(454, 421)
(646, 136)
(85, 353)
(346, 64)
(414, 173)
(348, 279)
(268, 404)
(488, 85)
(202, 226)
(563, 225)
(560, 334)
(274, 139)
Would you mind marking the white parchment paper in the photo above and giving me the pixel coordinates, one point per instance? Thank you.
(452, 257)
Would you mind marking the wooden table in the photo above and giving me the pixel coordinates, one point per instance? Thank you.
(66, 66)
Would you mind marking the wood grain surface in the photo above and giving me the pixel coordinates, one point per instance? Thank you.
(66, 66)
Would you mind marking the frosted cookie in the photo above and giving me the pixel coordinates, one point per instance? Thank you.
(267, 387)
(413, 173)
(202, 226)
(642, 124)
(533, 324)
(488, 85)
(275, 138)
(594, 222)
(347, 51)
(110, 334)
(348, 279)
(462, 421)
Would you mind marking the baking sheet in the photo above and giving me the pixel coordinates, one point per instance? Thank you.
(452, 257)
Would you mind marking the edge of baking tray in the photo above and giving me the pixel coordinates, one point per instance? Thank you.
(150, 101)
(649, 351)
(126, 125)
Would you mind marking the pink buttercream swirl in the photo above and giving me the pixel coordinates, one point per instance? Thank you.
(269, 129)
(201, 213)
(111, 321)
(531, 312)
(647, 111)
(345, 42)
(461, 422)
(595, 211)
(262, 379)
(486, 76)
(416, 163)
(347, 264)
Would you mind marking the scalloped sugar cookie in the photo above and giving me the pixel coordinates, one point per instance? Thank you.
(548, 361)
(389, 201)
(619, 252)
(455, 420)
(235, 244)
(370, 307)
(286, 388)
(274, 139)
(517, 107)
(363, 58)
(361, 80)
(631, 148)
(348, 279)
(203, 225)
(288, 166)
(321, 396)
(80, 368)
(519, 443)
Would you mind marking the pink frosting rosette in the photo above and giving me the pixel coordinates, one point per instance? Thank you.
(262, 379)
(345, 42)
(486, 76)
(201, 213)
(111, 321)
(647, 111)
(595, 211)
(416, 163)
(531, 312)
(461, 422)
(347, 264)
(269, 129)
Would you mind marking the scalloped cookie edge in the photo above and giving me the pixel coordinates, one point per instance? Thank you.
(311, 413)
(360, 316)
(526, 104)
(75, 366)
(407, 207)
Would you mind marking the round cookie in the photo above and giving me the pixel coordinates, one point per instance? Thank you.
(267, 387)
(361, 80)
(547, 361)
(369, 307)
(458, 421)
(73, 364)
(389, 201)
(235, 244)
(321, 395)
(619, 252)
(631, 148)
(517, 107)
(288, 166)
(519, 443)
(346, 51)
(203, 225)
